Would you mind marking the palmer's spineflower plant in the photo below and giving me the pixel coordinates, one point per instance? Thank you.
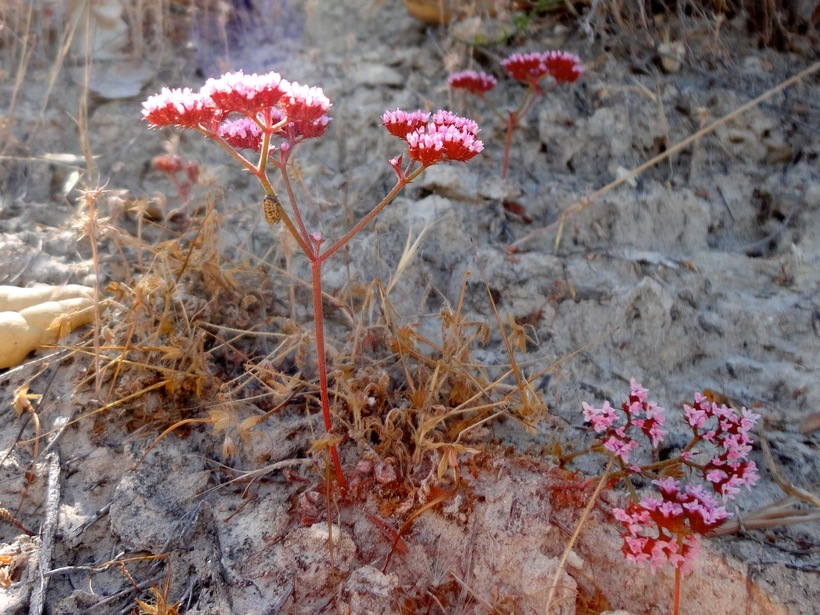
(532, 69)
(692, 487)
(270, 116)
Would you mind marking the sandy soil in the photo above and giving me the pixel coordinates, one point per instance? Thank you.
(702, 273)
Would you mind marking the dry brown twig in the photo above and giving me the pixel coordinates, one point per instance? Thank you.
(577, 532)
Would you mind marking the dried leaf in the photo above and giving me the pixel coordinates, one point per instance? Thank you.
(810, 423)
(22, 400)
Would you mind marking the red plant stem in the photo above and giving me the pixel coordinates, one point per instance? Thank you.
(292, 198)
(303, 239)
(373, 213)
(318, 325)
(512, 120)
(527, 102)
(676, 605)
(316, 259)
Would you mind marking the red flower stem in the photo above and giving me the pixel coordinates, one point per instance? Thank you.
(533, 92)
(318, 325)
(512, 120)
(224, 145)
(304, 245)
(373, 213)
(527, 102)
(316, 261)
(264, 154)
(292, 198)
(676, 605)
(261, 174)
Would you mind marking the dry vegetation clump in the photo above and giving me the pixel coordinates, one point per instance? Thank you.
(777, 23)
(197, 331)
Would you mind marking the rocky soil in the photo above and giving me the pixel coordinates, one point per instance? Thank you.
(703, 272)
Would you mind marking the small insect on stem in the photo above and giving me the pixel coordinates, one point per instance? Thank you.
(271, 207)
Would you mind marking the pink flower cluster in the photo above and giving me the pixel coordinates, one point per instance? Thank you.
(666, 528)
(530, 68)
(647, 416)
(434, 138)
(564, 67)
(730, 469)
(472, 81)
(266, 103)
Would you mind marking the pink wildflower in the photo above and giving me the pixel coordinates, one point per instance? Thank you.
(473, 81)
(620, 446)
(314, 129)
(655, 433)
(182, 108)
(666, 529)
(443, 137)
(695, 415)
(304, 129)
(668, 485)
(242, 133)
(601, 418)
(302, 103)
(526, 67)
(436, 143)
(646, 542)
(245, 94)
(636, 391)
(729, 468)
(647, 416)
(446, 118)
(743, 474)
(564, 67)
(396, 164)
(400, 123)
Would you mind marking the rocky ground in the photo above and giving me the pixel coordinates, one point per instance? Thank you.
(701, 273)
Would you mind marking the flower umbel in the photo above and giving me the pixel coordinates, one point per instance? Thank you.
(666, 528)
(473, 81)
(182, 108)
(242, 133)
(636, 412)
(434, 143)
(245, 94)
(729, 468)
(564, 67)
(529, 68)
(526, 67)
(445, 137)
(400, 123)
(304, 103)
